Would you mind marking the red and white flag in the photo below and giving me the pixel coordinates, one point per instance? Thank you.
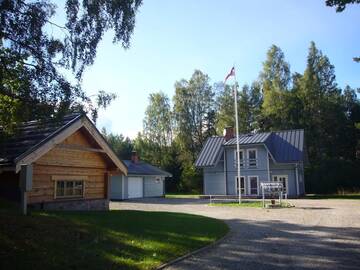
(232, 73)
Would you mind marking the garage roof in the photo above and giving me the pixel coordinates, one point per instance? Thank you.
(143, 168)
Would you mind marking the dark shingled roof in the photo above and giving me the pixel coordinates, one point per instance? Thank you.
(143, 168)
(30, 135)
(210, 152)
(285, 146)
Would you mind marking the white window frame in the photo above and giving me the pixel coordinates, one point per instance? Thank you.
(67, 178)
(242, 161)
(286, 180)
(248, 157)
(236, 185)
(249, 185)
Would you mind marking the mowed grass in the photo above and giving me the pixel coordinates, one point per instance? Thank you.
(237, 204)
(182, 196)
(247, 203)
(101, 240)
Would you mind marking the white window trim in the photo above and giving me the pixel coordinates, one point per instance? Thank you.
(248, 157)
(286, 180)
(73, 179)
(249, 184)
(243, 159)
(245, 185)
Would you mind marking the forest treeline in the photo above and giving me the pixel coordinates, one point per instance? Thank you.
(174, 132)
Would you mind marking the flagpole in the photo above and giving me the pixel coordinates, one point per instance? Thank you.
(237, 138)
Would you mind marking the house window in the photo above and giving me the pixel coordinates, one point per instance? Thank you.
(281, 179)
(69, 189)
(242, 183)
(252, 156)
(241, 153)
(253, 183)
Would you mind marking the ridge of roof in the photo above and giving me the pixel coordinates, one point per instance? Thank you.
(76, 117)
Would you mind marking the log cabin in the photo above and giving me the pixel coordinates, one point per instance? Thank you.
(58, 164)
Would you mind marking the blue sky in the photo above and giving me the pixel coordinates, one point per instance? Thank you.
(173, 38)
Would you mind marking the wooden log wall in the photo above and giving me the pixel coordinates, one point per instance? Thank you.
(68, 162)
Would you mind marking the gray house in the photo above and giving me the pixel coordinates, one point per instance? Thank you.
(269, 156)
(142, 180)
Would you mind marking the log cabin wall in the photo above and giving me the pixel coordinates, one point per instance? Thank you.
(75, 158)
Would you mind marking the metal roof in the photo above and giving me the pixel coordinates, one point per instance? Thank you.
(143, 168)
(251, 138)
(285, 146)
(210, 152)
(30, 135)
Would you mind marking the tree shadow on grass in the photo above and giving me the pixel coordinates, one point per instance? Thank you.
(102, 240)
(280, 245)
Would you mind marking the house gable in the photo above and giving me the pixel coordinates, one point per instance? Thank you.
(68, 138)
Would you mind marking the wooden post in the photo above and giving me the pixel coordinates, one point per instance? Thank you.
(23, 203)
(26, 173)
(107, 185)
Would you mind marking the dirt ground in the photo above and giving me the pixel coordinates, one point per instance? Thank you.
(321, 234)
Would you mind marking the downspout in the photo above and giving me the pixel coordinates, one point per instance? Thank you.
(225, 171)
(268, 165)
(297, 179)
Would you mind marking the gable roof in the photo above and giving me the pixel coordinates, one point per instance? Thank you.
(210, 152)
(35, 138)
(284, 146)
(250, 138)
(143, 168)
(287, 146)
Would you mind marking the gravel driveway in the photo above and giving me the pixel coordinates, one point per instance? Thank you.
(321, 234)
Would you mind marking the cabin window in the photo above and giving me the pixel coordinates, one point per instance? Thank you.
(69, 189)
(252, 156)
(241, 153)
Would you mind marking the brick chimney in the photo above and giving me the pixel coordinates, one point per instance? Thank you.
(134, 157)
(228, 133)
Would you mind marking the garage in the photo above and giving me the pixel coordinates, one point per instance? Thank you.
(142, 180)
(135, 187)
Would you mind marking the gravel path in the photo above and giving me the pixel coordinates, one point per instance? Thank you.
(321, 234)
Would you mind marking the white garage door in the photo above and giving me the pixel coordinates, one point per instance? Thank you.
(135, 186)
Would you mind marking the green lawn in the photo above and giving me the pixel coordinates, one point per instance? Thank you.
(354, 196)
(101, 240)
(244, 203)
(236, 204)
(182, 196)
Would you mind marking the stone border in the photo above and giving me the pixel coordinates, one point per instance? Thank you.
(183, 257)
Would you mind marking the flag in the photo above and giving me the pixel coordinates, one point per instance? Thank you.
(232, 73)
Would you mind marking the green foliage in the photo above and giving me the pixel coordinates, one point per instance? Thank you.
(158, 123)
(275, 83)
(122, 146)
(330, 176)
(32, 60)
(341, 4)
(194, 112)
